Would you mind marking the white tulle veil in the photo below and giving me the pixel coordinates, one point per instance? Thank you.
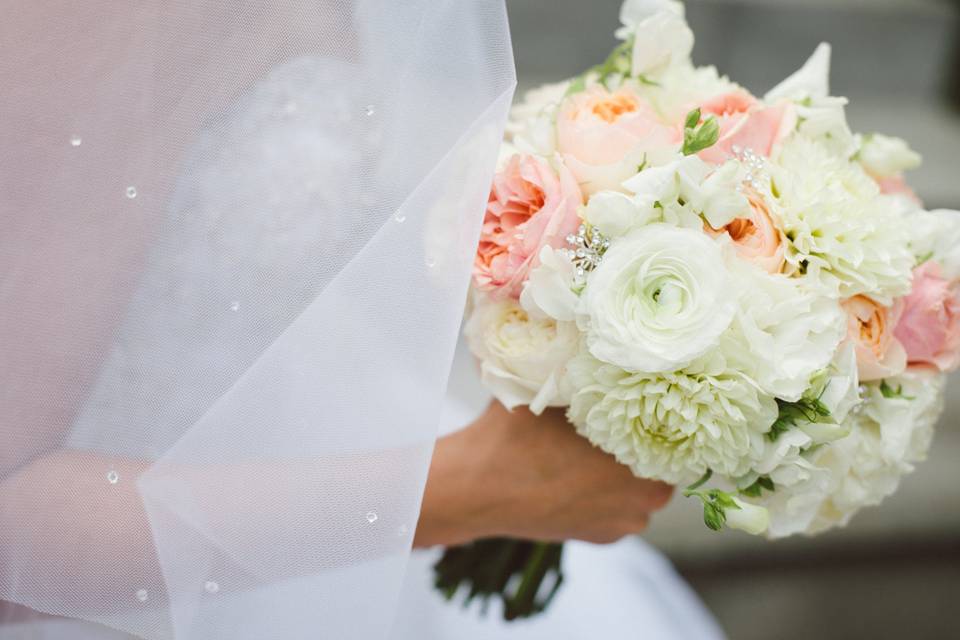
(235, 244)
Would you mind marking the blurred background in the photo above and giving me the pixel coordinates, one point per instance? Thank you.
(894, 572)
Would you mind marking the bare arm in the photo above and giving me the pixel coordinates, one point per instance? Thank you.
(518, 475)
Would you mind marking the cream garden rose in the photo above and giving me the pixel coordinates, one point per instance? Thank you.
(660, 298)
(522, 359)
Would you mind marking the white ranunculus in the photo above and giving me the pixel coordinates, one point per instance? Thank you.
(750, 517)
(784, 333)
(661, 298)
(548, 291)
(843, 236)
(522, 359)
(886, 156)
(672, 426)
(935, 235)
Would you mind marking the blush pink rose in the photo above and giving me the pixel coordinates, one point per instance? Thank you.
(530, 206)
(603, 136)
(870, 327)
(897, 185)
(746, 123)
(929, 327)
(756, 237)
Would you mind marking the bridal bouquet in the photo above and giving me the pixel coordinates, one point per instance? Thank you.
(728, 293)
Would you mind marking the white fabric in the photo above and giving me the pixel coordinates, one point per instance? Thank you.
(235, 239)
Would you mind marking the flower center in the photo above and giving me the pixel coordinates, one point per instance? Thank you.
(612, 107)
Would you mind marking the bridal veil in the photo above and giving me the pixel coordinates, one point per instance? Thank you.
(235, 245)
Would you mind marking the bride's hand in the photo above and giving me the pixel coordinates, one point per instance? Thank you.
(519, 475)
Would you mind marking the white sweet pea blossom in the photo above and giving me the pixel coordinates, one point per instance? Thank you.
(660, 298)
(615, 214)
(820, 115)
(801, 485)
(886, 156)
(522, 359)
(661, 36)
(749, 517)
(683, 192)
(548, 291)
(886, 437)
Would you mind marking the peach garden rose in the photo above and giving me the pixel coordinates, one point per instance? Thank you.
(531, 206)
(870, 326)
(756, 237)
(604, 136)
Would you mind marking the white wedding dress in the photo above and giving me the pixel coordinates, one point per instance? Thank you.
(213, 328)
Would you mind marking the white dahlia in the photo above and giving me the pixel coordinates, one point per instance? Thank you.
(672, 426)
(843, 236)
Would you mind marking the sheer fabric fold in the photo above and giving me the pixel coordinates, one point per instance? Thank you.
(234, 255)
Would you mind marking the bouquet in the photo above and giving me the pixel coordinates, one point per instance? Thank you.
(728, 293)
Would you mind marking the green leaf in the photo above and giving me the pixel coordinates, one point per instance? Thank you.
(642, 79)
(757, 488)
(576, 85)
(806, 409)
(890, 393)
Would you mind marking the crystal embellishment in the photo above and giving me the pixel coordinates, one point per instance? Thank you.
(113, 477)
(371, 517)
(75, 141)
(131, 192)
(588, 246)
(757, 177)
(369, 110)
(142, 595)
(211, 587)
